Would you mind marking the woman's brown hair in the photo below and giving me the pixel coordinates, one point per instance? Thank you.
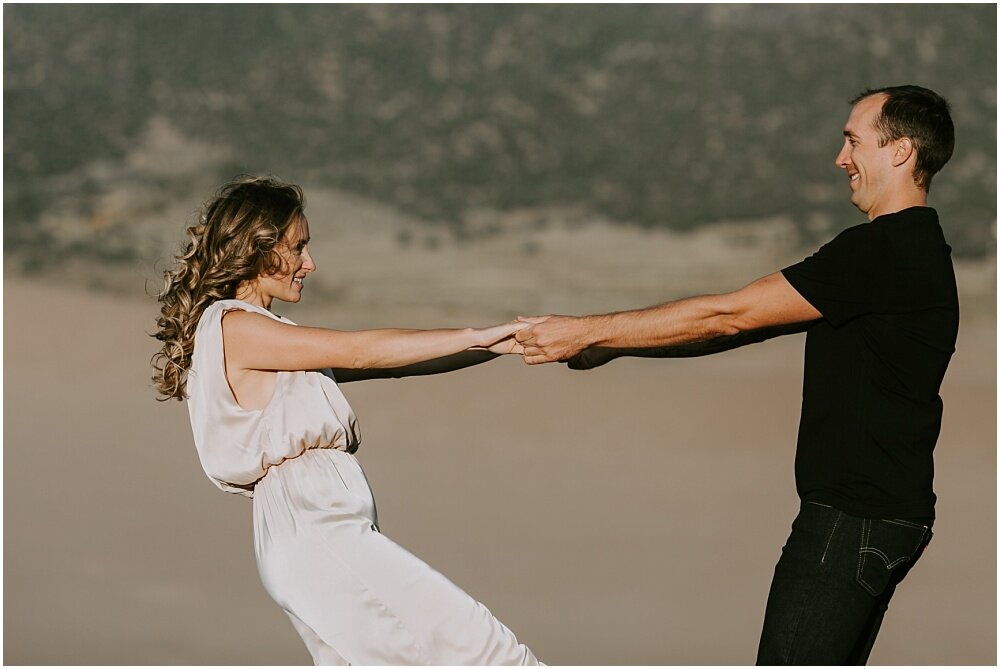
(234, 241)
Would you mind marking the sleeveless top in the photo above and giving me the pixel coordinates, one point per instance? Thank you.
(236, 446)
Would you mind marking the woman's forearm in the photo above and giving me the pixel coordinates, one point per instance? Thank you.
(392, 348)
(448, 363)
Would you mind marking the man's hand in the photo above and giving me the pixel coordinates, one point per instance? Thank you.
(551, 338)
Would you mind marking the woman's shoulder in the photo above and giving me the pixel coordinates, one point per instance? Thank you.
(209, 335)
(232, 303)
(219, 308)
(211, 318)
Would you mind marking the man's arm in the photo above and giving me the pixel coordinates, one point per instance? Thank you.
(589, 358)
(766, 303)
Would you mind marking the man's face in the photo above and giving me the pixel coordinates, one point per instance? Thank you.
(868, 165)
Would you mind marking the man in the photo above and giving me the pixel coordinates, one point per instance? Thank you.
(880, 306)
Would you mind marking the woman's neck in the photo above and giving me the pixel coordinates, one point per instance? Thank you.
(249, 293)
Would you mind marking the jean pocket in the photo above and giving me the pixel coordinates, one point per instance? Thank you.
(887, 547)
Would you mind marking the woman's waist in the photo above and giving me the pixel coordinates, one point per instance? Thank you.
(244, 467)
(327, 478)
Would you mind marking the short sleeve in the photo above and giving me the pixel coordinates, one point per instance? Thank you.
(847, 277)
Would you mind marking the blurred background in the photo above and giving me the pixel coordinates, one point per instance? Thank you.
(463, 165)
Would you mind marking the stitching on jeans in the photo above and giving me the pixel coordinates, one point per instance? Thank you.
(876, 551)
(906, 523)
(829, 540)
(885, 558)
(865, 528)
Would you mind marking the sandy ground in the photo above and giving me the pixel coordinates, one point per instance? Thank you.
(628, 515)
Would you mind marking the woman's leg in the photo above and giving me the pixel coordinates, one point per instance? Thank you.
(375, 603)
(349, 588)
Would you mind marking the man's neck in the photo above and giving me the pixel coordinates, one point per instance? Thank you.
(904, 200)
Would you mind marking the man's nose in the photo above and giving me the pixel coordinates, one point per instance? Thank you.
(843, 159)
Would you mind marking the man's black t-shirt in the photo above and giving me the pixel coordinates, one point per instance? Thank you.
(871, 412)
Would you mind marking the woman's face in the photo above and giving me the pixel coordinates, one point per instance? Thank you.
(287, 284)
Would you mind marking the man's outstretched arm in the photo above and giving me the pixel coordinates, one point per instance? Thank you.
(589, 358)
(766, 303)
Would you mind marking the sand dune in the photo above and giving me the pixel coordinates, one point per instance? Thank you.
(628, 515)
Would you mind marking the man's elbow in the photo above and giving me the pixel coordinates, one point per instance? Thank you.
(743, 311)
(741, 323)
(726, 325)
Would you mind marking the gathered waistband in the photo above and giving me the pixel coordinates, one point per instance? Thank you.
(321, 485)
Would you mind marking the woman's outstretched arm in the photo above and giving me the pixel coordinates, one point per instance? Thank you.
(448, 363)
(254, 341)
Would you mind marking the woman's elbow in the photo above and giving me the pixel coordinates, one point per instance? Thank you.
(363, 360)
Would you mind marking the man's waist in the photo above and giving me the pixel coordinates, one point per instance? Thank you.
(917, 511)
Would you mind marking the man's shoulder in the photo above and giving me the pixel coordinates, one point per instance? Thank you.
(916, 230)
(908, 221)
(892, 223)
(863, 235)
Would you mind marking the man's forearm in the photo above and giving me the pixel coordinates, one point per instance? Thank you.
(597, 356)
(683, 322)
(715, 345)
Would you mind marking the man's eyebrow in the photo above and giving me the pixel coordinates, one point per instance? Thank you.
(848, 133)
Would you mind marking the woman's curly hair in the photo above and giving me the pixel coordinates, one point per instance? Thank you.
(234, 241)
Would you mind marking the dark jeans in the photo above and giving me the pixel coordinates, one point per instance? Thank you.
(833, 584)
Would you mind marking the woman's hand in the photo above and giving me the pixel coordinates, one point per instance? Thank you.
(500, 338)
(506, 346)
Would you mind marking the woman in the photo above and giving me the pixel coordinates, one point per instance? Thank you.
(270, 423)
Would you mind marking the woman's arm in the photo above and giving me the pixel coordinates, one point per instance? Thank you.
(448, 363)
(254, 341)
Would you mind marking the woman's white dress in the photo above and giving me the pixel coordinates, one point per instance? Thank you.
(353, 595)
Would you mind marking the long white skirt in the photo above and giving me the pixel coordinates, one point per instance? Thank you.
(353, 595)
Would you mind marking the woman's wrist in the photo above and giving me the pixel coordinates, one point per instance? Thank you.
(474, 338)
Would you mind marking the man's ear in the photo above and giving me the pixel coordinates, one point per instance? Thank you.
(903, 152)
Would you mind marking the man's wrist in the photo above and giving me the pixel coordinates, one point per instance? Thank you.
(592, 330)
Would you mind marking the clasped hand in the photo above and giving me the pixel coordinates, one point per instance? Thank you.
(541, 339)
